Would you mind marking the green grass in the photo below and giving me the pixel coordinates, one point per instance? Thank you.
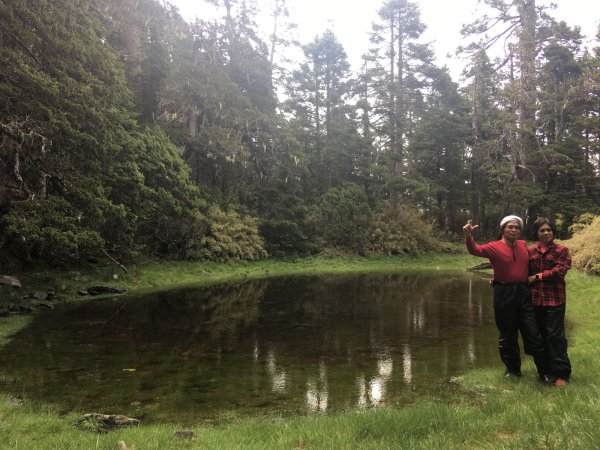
(164, 275)
(487, 412)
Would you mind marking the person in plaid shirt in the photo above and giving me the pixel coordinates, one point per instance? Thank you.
(548, 265)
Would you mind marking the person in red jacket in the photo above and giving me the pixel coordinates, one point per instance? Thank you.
(548, 265)
(513, 309)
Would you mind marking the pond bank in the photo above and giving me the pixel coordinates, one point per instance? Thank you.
(156, 276)
(486, 411)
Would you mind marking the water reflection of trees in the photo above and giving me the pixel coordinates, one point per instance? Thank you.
(213, 313)
(131, 351)
(358, 314)
(297, 344)
(376, 334)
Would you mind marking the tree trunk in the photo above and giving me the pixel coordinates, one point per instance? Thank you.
(192, 120)
(131, 41)
(527, 50)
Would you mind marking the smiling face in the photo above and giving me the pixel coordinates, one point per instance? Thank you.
(511, 231)
(545, 234)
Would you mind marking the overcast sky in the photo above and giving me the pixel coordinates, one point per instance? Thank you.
(350, 20)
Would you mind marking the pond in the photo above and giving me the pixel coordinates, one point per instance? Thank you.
(290, 345)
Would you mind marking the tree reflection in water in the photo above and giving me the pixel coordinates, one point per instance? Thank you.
(317, 395)
(284, 345)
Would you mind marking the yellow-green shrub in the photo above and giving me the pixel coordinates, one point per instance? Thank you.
(585, 244)
(394, 231)
(230, 237)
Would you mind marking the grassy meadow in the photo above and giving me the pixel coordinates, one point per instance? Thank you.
(486, 411)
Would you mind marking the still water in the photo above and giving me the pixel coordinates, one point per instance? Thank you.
(293, 345)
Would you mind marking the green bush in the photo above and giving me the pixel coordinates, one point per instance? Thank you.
(343, 217)
(229, 237)
(48, 229)
(284, 237)
(394, 231)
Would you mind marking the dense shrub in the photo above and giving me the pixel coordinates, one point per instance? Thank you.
(395, 231)
(284, 237)
(230, 237)
(48, 229)
(585, 244)
(343, 217)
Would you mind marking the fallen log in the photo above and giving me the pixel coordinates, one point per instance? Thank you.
(482, 266)
(10, 281)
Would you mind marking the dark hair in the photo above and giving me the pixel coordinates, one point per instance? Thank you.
(538, 224)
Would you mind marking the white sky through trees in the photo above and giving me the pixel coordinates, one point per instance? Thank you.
(350, 21)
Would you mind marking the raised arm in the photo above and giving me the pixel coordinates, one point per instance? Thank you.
(469, 228)
(472, 247)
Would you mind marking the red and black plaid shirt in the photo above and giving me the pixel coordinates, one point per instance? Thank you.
(552, 264)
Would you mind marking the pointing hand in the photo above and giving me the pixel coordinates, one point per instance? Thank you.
(469, 228)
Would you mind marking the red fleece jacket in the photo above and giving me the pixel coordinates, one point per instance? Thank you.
(510, 263)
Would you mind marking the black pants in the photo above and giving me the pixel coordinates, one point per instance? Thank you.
(514, 312)
(551, 321)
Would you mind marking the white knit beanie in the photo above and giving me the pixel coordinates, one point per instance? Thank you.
(508, 219)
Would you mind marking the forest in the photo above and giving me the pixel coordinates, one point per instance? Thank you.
(127, 132)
